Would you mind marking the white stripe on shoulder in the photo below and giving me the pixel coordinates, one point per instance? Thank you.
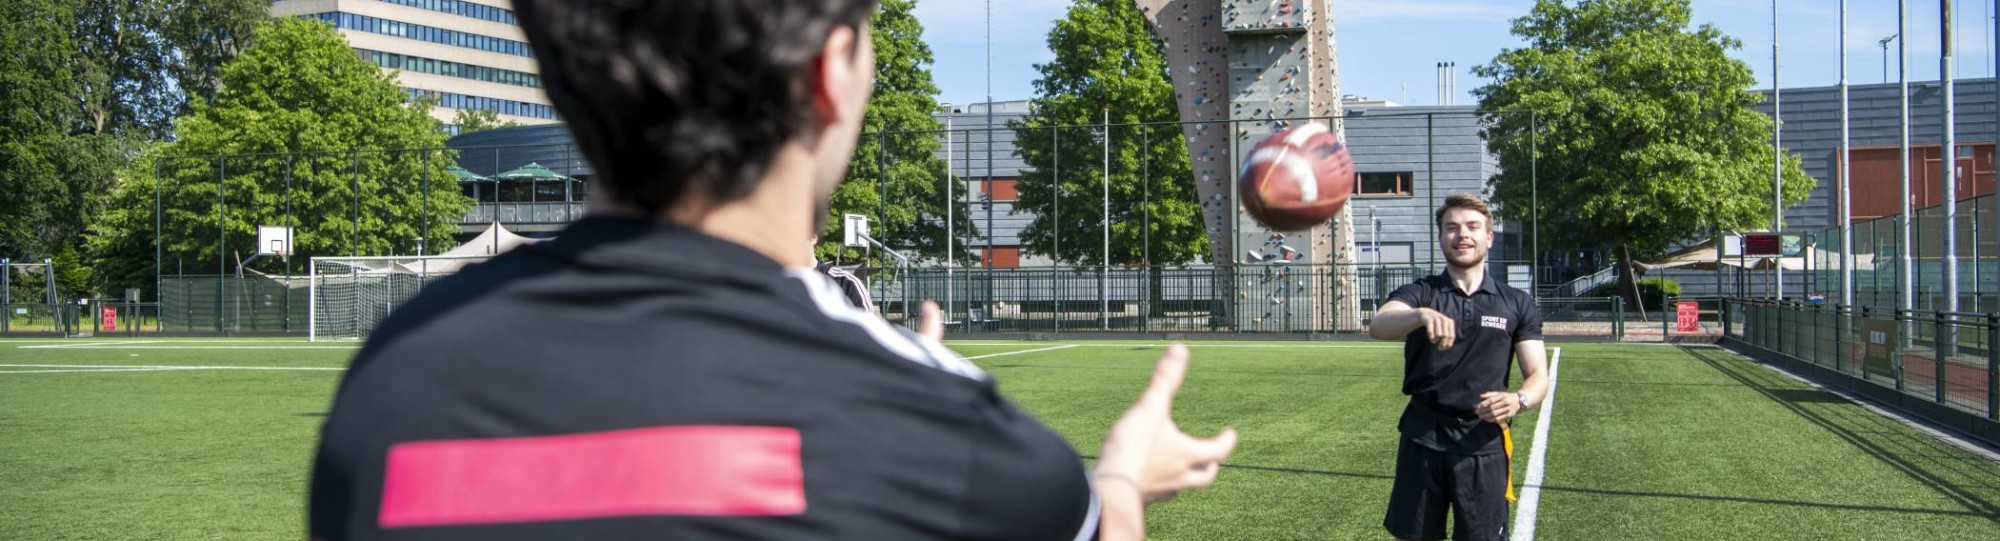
(833, 304)
(1090, 518)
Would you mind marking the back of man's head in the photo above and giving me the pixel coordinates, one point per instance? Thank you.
(673, 98)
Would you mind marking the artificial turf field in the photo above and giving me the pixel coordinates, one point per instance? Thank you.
(103, 439)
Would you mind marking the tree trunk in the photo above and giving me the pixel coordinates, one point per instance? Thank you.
(1628, 282)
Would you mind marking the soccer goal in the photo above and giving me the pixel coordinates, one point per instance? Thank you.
(351, 295)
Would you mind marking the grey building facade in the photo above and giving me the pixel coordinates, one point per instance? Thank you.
(1811, 130)
(1406, 159)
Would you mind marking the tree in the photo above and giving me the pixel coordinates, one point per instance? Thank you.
(478, 120)
(1107, 59)
(895, 161)
(141, 63)
(83, 85)
(37, 84)
(302, 133)
(1646, 131)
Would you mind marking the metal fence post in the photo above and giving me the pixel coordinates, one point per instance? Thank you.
(1993, 366)
(1666, 326)
(1938, 356)
(1841, 333)
(1908, 331)
(1617, 318)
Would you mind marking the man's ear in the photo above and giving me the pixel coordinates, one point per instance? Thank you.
(831, 80)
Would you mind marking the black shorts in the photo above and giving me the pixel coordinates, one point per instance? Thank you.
(1428, 482)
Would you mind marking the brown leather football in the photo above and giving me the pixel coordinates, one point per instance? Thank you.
(1297, 178)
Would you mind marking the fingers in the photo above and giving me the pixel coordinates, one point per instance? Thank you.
(1167, 377)
(930, 324)
(1213, 450)
(1443, 331)
(1490, 405)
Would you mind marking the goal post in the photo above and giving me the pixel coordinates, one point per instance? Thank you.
(349, 296)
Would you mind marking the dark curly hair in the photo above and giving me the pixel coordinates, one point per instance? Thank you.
(672, 97)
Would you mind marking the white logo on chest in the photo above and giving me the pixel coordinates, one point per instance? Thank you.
(1495, 322)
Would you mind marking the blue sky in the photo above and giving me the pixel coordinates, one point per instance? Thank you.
(1388, 48)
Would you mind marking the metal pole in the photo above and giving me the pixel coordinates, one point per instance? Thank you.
(1104, 267)
(882, 206)
(1535, 209)
(1430, 183)
(1906, 292)
(950, 224)
(1055, 229)
(1777, 149)
(569, 185)
(159, 269)
(1146, 224)
(989, 256)
(1948, 154)
(354, 234)
(1846, 170)
(221, 242)
(424, 227)
(289, 241)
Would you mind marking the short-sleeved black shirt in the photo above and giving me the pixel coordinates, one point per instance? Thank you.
(634, 380)
(1444, 386)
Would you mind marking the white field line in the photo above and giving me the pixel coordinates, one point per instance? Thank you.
(89, 344)
(1019, 352)
(1531, 488)
(203, 347)
(12, 372)
(136, 340)
(1145, 345)
(145, 368)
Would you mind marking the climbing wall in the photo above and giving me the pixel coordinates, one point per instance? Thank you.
(1262, 65)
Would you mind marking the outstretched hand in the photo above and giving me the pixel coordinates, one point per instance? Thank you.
(1146, 448)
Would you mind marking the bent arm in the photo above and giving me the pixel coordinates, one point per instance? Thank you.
(1533, 356)
(1394, 321)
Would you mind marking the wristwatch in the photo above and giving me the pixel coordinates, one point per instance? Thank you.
(1523, 397)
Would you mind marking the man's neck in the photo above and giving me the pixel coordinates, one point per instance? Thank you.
(774, 220)
(1468, 279)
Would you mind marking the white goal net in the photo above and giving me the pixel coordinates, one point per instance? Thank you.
(351, 295)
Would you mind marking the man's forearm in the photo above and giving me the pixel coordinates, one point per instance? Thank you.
(1535, 389)
(1395, 325)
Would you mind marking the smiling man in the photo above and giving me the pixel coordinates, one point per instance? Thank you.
(1460, 330)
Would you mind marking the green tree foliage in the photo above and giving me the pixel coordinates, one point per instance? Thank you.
(1107, 59)
(293, 95)
(141, 63)
(37, 84)
(83, 85)
(478, 120)
(896, 159)
(1646, 130)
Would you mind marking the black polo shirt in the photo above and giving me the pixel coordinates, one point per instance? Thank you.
(1444, 386)
(634, 380)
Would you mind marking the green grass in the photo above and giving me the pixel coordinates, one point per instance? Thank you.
(1649, 442)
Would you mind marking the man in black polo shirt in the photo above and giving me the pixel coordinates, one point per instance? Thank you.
(1461, 331)
(672, 368)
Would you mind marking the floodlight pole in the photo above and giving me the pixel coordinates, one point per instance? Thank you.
(1906, 290)
(950, 226)
(1846, 171)
(1948, 159)
(1777, 151)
